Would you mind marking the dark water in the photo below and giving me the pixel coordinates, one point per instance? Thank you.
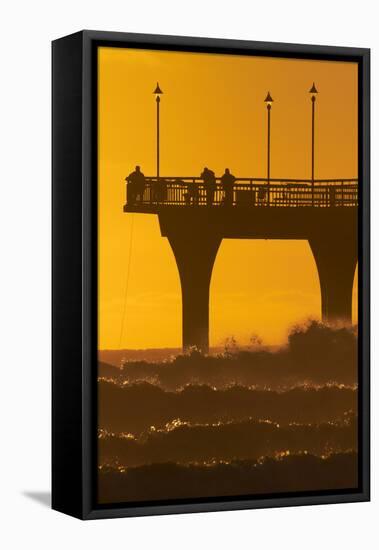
(238, 423)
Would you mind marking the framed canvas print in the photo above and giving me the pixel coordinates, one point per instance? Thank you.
(210, 274)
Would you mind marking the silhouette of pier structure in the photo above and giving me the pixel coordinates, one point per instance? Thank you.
(323, 212)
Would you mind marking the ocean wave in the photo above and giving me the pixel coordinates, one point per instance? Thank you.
(289, 473)
(315, 354)
(135, 407)
(181, 442)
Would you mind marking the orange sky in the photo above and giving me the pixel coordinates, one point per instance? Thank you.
(212, 113)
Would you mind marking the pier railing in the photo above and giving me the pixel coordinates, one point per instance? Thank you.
(245, 192)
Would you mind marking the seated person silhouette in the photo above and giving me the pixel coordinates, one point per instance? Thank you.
(227, 182)
(209, 179)
(136, 186)
(180, 191)
(159, 190)
(262, 194)
(191, 196)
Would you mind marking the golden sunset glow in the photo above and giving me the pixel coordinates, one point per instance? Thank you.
(213, 114)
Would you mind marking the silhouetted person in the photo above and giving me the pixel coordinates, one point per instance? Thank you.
(332, 196)
(159, 190)
(262, 194)
(209, 179)
(192, 194)
(136, 185)
(227, 182)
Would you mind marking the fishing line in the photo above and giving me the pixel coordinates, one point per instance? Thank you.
(127, 281)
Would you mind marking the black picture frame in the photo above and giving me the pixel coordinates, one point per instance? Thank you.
(74, 271)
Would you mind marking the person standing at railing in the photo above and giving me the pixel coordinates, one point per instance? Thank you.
(136, 185)
(227, 182)
(209, 179)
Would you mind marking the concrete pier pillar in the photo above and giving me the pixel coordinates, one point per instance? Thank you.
(336, 255)
(195, 248)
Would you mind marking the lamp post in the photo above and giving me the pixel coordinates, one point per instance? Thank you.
(313, 91)
(268, 102)
(157, 93)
